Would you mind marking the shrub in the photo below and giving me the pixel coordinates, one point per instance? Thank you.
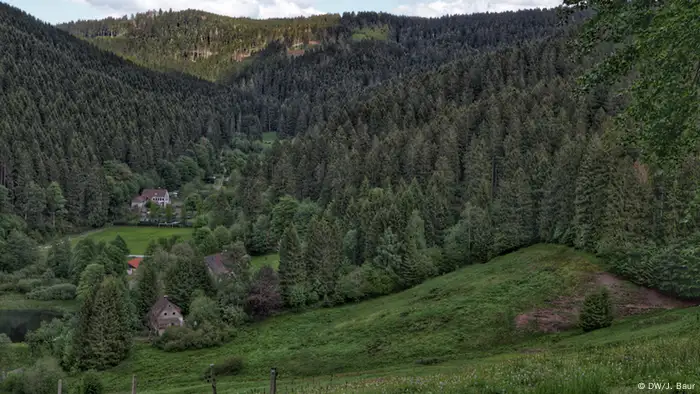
(176, 339)
(63, 291)
(27, 285)
(7, 288)
(42, 377)
(228, 367)
(91, 384)
(596, 312)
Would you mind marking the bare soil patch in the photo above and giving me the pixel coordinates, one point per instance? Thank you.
(562, 313)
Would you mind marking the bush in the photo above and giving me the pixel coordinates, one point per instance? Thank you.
(42, 377)
(63, 291)
(27, 285)
(176, 339)
(7, 288)
(596, 312)
(91, 384)
(228, 367)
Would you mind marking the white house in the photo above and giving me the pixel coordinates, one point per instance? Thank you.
(158, 196)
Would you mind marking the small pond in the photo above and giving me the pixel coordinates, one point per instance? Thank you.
(17, 323)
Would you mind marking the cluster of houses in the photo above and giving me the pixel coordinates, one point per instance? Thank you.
(164, 313)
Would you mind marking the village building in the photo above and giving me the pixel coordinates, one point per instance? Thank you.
(157, 196)
(132, 265)
(215, 265)
(165, 314)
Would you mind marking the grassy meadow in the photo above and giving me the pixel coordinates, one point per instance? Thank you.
(456, 333)
(273, 260)
(16, 301)
(137, 238)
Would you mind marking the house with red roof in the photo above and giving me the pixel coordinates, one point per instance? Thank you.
(133, 264)
(158, 196)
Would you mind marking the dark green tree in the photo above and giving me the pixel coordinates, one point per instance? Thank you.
(292, 269)
(597, 311)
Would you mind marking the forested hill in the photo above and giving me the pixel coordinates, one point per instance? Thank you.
(316, 83)
(203, 44)
(214, 46)
(67, 108)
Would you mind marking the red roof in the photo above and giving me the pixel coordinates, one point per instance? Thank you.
(134, 263)
(150, 193)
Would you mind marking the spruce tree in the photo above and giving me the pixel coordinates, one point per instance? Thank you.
(591, 186)
(108, 334)
(597, 311)
(292, 270)
(388, 257)
(147, 288)
(59, 258)
(187, 275)
(90, 279)
(415, 265)
(119, 242)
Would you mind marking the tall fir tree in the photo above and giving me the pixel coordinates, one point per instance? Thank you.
(292, 269)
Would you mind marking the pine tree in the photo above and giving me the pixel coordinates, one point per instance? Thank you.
(90, 279)
(282, 216)
(597, 311)
(55, 202)
(292, 270)
(589, 204)
(322, 256)
(470, 240)
(114, 260)
(415, 265)
(108, 334)
(84, 253)
(119, 242)
(388, 257)
(513, 214)
(187, 275)
(147, 288)
(59, 258)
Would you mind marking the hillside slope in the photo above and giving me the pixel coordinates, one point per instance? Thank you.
(67, 107)
(196, 42)
(465, 315)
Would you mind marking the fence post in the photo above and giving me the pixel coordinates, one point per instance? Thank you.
(133, 384)
(273, 381)
(60, 385)
(213, 378)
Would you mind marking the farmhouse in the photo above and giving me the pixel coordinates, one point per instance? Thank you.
(164, 314)
(215, 265)
(133, 264)
(158, 196)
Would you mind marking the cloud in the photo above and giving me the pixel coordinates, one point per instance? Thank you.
(244, 8)
(444, 7)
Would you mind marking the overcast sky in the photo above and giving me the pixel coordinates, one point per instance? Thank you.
(55, 11)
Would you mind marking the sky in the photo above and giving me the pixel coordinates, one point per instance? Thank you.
(56, 11)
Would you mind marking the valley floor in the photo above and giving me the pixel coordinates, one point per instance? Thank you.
(480, 329)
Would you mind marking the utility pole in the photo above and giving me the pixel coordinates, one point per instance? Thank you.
(273, 381)
(133, 384)
(60, 385)
(213, 378)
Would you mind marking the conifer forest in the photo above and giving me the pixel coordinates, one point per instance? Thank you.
(371, 152)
